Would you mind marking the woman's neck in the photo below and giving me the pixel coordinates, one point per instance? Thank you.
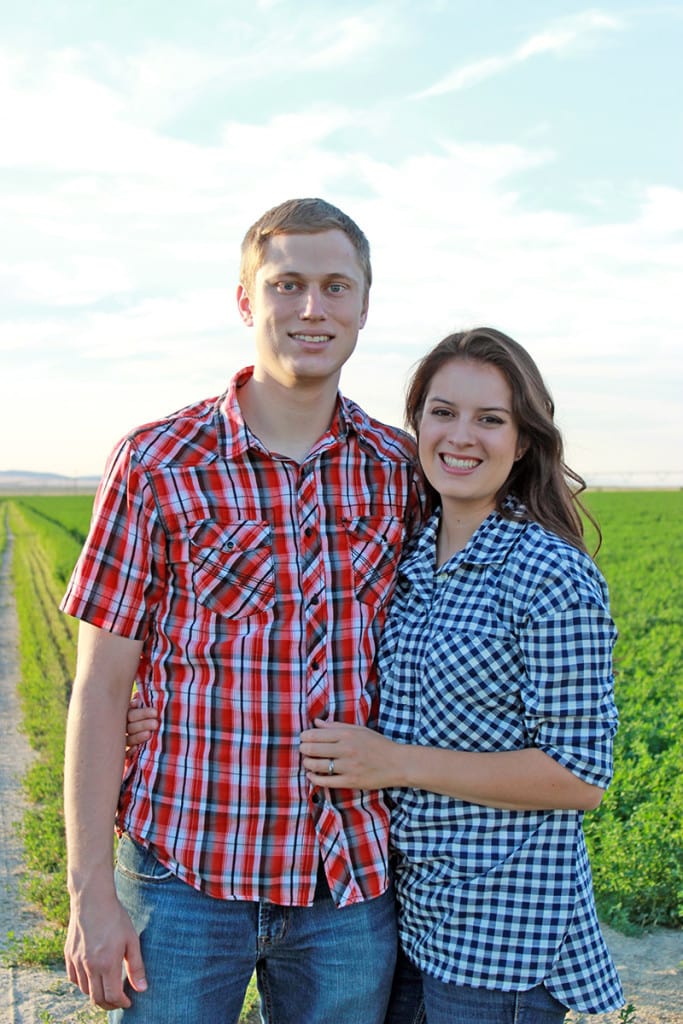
(458, 523)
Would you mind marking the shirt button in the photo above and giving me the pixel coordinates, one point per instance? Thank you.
(308, 531)
(317, 797)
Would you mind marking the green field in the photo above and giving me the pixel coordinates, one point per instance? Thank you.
(635, 837)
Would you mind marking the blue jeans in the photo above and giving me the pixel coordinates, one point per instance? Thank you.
(417, 998)
(313, 964)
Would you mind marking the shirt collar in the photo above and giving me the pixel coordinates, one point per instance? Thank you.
(490, 543)
(238, 438)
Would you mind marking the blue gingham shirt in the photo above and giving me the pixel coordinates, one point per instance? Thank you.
(506, 646)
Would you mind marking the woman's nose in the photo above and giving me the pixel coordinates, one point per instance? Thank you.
(461, 432)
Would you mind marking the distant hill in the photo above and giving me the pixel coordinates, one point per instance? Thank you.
(20, 481)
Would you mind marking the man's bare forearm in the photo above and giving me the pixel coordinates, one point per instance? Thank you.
(95, 746)
(92, 777)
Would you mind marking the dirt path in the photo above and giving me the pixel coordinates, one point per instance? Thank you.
(651, 968)
(27, 995)
(651, 971)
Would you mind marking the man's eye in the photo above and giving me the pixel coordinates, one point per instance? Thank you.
(337, 288)
(286, 287)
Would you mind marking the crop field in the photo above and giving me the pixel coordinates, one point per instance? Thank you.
(635, 837)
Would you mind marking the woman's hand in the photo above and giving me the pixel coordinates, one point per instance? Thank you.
(360, 758)
(141, 723)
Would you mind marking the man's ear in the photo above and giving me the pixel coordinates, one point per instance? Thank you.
(364, 312)
(244, 306)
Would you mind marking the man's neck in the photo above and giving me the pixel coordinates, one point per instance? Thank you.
(288, 421)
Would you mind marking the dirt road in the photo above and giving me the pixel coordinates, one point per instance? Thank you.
(27, 996)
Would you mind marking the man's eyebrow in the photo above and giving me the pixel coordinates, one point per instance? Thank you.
(336, 274)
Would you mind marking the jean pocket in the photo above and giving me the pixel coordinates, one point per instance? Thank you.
(137, 861)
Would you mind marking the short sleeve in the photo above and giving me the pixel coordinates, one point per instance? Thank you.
(116, 579)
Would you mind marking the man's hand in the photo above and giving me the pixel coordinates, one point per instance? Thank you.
(100, 939)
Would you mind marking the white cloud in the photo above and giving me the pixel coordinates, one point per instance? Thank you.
(663, 210)
(79, 281)
(564, 36)
(568, 34)
(348, 39)
(164, 79)
(59, 117)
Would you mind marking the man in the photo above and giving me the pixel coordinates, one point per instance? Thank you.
(239, 564)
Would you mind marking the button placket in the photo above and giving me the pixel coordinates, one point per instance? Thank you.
(313, 586)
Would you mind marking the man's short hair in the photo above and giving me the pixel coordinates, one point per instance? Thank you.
(300, 217)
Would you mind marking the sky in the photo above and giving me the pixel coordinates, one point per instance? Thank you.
(518, 165)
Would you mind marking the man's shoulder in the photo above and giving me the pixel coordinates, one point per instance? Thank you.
(387, 441)
(189, 433)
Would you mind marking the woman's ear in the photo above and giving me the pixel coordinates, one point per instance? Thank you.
(522, 448)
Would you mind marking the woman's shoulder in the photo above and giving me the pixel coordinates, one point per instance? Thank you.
(546, 561)
(539, 540)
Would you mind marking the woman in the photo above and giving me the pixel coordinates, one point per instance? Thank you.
(497, 710)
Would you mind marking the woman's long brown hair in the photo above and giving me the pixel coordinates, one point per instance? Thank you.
(541, 480)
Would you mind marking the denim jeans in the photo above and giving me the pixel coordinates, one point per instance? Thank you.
(313, 964)
(417, 998)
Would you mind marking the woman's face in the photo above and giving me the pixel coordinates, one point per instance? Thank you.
(468, 438)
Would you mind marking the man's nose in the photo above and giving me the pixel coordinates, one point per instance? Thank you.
(313, 306)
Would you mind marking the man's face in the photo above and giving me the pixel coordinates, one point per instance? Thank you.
(306, 305)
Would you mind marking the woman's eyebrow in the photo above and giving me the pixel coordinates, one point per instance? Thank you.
(481, 408)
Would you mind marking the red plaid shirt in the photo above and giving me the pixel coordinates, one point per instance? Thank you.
(259, 587)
